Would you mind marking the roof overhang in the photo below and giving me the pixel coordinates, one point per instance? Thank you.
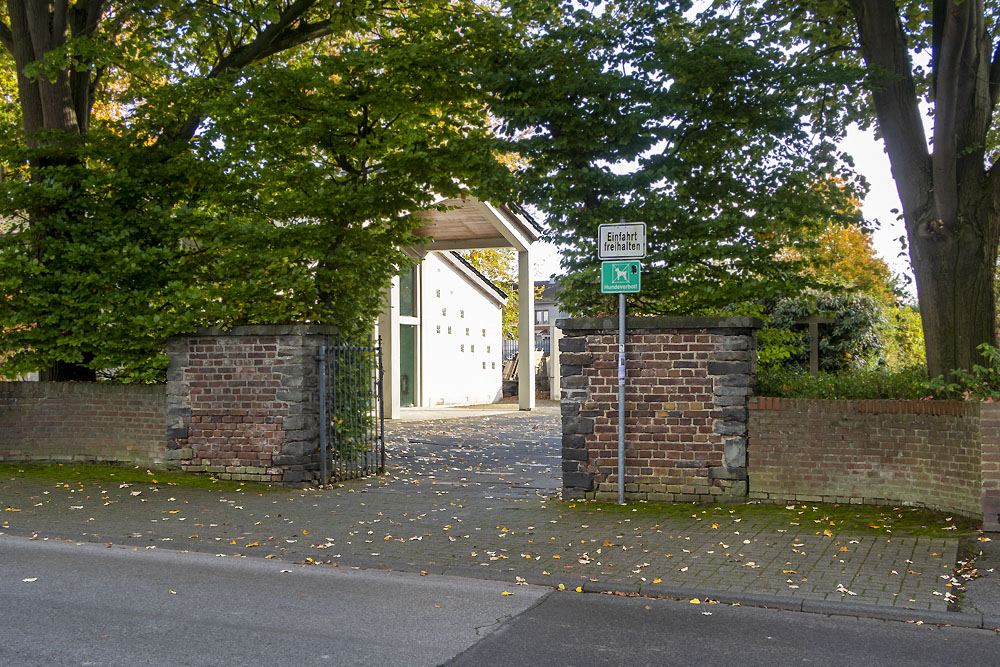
(472, 224)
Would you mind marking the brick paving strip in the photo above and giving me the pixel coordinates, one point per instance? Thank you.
(477, 498)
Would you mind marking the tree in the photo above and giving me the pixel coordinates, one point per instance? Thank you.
(845, 258)
(942, 54)
(186, 163)
(499, 265)
(644, 111)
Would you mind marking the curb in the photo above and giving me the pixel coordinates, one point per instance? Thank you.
(761, 600)
(826, 607)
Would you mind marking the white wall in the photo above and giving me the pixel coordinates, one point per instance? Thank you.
(460, 342)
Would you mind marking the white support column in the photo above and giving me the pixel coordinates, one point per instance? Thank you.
(525, 332)
(388, 327)
(555, 379)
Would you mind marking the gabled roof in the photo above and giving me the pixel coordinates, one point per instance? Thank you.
(471, 223)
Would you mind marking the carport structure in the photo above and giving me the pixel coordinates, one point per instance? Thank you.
(468, 224)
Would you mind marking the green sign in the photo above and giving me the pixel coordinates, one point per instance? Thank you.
(620, 277)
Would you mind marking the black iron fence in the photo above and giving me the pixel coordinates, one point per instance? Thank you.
(352, 423)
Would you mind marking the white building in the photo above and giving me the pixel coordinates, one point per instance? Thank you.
(441, 328)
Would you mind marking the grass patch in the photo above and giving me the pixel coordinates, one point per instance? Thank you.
(815, 517)
(59, 473)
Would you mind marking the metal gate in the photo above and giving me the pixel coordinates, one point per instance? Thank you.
(352, 423)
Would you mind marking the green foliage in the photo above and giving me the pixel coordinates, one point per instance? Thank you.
(279, 188)
(499, 265)
(851, 340)
(850, 384)
(982, 383)
(646, 111)
(903, 340)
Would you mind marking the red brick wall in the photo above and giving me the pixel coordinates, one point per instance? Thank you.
(236, 419)
(243, 404)
(874, 452)
(68, 421)
(687, 385)
(989, 435)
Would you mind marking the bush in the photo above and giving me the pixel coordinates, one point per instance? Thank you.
(982, 384)
(853, 384)
(851, 340)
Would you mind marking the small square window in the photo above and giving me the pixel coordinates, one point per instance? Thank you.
(466, 331)
(437, 293)
(487, 349)
(494, 365)
(449, 330)
(444, 311)
(472, 348)
(462, 348)
(438, 328)
(484, 365)
(484, 333)
(461, 314)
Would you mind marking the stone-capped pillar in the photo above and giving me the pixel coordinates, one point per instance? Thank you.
(243, 403)
(555, 386)
(688, 385)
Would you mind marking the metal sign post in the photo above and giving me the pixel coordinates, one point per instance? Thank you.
(624, 241)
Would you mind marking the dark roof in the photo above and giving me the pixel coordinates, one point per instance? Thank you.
(479, 273)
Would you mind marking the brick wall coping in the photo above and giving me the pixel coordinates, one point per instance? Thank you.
(87, 389)
(670, 322)
(269, 330)
(881, 406)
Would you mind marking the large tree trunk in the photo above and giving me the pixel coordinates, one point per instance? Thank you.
(955, 275)
(951, 201)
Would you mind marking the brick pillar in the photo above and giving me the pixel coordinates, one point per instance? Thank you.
(243, 403)
(688, 385)
(989, 435)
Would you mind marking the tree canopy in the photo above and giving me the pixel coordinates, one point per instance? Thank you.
(650, 112)
(169, 165)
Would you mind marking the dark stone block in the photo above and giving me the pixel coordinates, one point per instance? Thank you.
(177, 433)
(569, 408)
(731, 391)
(737, 343)
(570, 369)
(574, 441)
(734, 380)
(570, 467)
(724, 401)
(730, 428)
(577, 358)
(579, 480)
(734, 413)
(728, 367)
(573, 344)
(292, 476)
(578, 425)
(574, 454)
(725, 472)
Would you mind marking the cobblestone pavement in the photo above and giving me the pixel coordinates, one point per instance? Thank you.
(479, 497)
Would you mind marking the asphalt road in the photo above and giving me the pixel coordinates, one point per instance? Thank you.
(67, 603)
